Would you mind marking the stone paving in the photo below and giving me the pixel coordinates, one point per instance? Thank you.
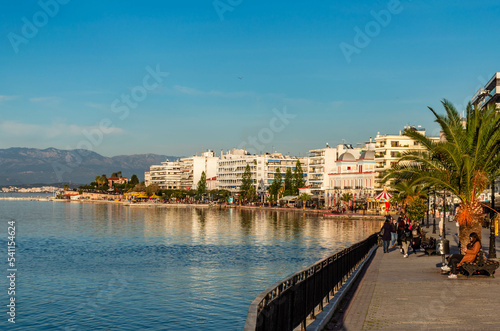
(398, 293)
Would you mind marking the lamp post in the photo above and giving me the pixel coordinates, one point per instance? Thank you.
(434, 212)
(444, 214)
(492, 254)
(428, 207)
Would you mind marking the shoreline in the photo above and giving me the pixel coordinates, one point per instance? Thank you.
(323, 212)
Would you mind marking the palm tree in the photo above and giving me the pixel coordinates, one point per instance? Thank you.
(346, 197)
(101, 180)
(462, 163)
(407, 192)
(304, 197)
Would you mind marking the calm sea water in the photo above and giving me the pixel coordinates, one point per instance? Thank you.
(97, 266)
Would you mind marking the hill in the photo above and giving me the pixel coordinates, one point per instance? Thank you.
(25, 166)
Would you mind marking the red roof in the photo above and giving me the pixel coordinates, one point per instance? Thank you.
(70, 194)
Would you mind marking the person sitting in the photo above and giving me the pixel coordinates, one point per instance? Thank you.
(473, 247)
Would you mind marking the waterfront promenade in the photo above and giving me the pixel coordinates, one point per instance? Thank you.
(399, 293)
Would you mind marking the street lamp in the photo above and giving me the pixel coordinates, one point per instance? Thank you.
(444, 214)
(492, 254)
(434, 212)
(428, 207)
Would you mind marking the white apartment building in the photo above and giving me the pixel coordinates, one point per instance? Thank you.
(485, 96)
(195, 165)
(232, 165)
(488, 94)
(184, 173)
(390, 147)
(147, 178)
(170, 175)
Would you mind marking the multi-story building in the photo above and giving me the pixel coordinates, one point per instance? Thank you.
(147, 178)
(485, 96)
(184, 173)
(489, 94)
(232, 165)
(169, 175)
(194, 166)
(390, 147)
(351, 175)
(320, 160)
(323, 161)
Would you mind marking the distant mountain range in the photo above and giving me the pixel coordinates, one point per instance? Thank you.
(25, 166)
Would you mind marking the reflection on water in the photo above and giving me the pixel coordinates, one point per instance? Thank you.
(107, 266)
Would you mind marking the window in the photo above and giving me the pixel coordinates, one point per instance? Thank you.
(394, 143)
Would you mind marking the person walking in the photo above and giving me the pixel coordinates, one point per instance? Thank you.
(406, 239)
(385, 233)
(400, 230)
(394, 232)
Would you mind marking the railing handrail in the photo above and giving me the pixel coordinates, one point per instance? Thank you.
(276, 290)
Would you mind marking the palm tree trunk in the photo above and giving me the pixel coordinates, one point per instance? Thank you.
(465, 231)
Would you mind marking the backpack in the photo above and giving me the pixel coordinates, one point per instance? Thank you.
(407, 232)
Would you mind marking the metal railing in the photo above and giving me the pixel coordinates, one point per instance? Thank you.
(286, 304)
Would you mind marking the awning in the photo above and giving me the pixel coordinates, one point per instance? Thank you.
(289, 198)
(383, 197)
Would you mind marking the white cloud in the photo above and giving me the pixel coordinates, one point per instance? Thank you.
(47, 101)
(7, 97)
(96, 106)
(12, 129)
(195, 92)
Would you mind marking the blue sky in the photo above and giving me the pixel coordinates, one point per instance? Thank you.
(227, 71)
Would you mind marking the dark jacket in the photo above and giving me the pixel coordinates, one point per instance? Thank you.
(406, 233)
(386, 229)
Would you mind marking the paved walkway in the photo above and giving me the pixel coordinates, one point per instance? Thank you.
(399, 293)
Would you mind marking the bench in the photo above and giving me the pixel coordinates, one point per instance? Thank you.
(429, 246)
(480, 265)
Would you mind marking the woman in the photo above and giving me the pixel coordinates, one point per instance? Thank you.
(385, 233)
(473, 247)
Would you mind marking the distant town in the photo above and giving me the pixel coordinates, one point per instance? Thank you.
(42, 189)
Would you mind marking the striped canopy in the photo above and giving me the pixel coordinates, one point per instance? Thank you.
(383, 197)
